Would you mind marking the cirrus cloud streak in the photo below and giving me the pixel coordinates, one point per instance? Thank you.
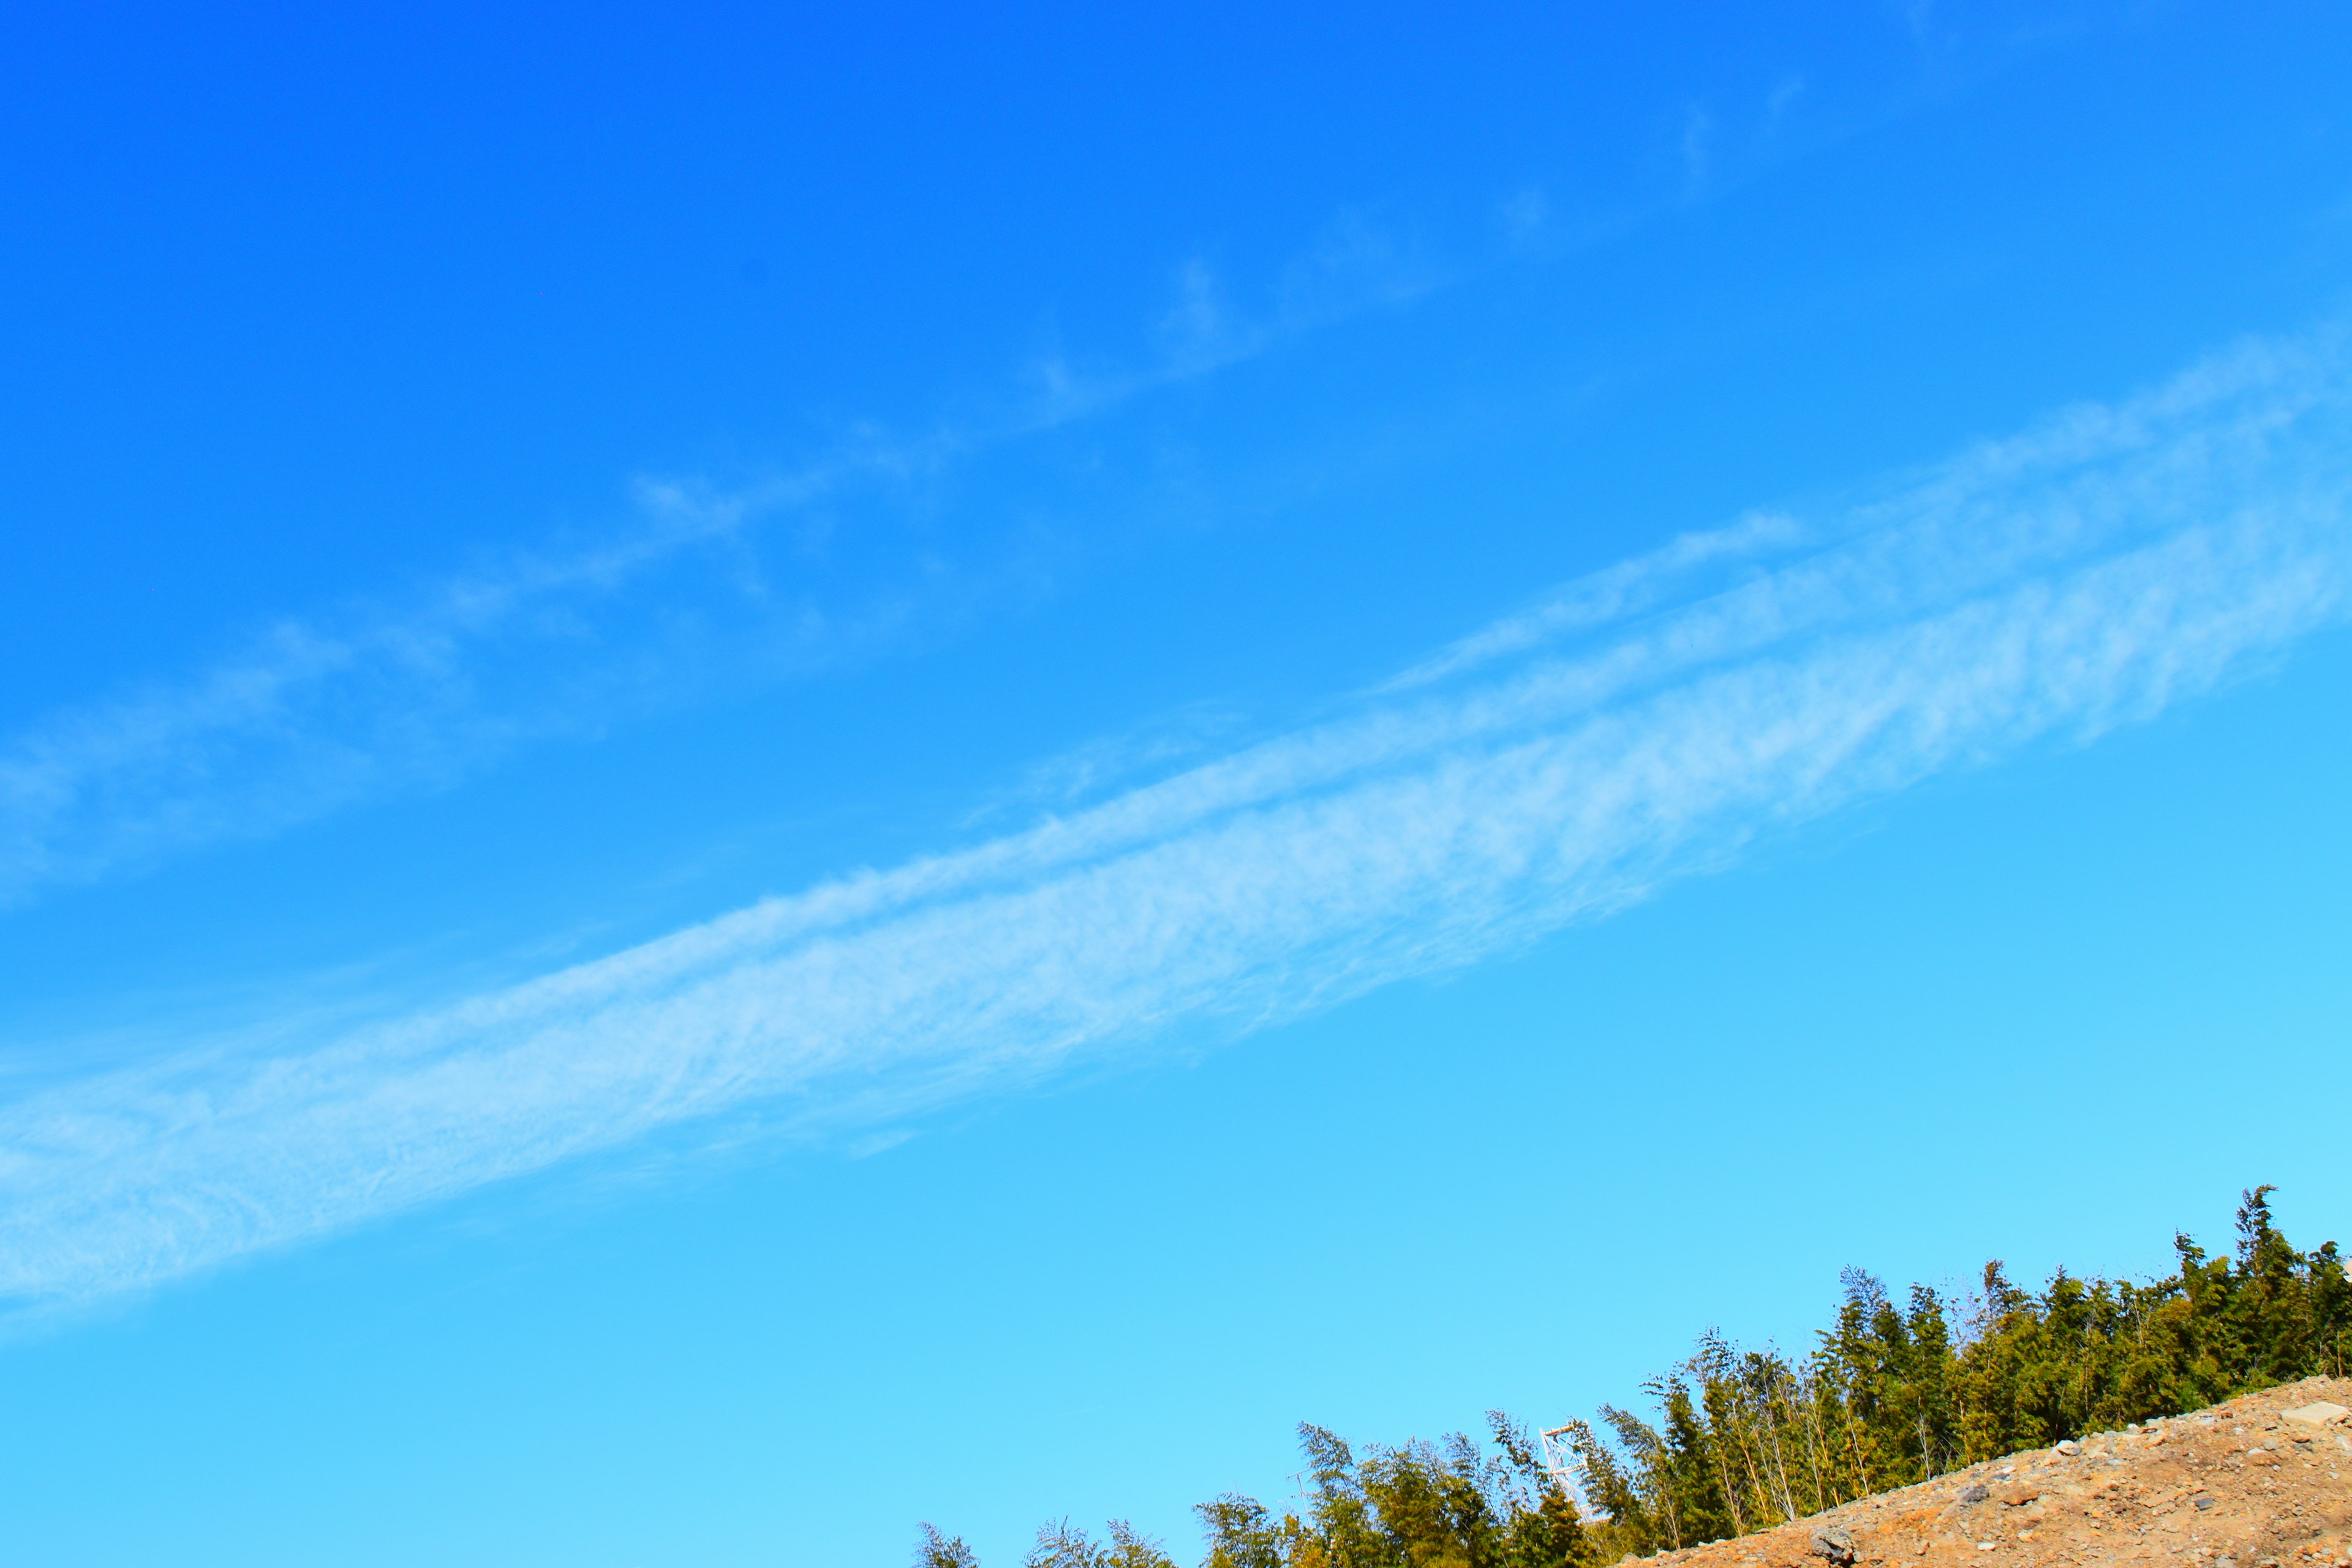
(1642, 724)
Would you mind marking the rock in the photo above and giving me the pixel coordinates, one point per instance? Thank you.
(2070, 1448)
(1833, 1543)
(2019, 1495)
(1976, 1493)
(2261, 1456)
(2204, 1502)
(2315, 1416)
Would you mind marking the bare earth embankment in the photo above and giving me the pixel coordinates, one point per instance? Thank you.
(2263, 1481)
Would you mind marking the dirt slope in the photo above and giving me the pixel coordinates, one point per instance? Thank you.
(2236, 1486)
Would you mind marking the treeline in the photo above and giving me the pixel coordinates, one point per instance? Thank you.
(1890, 1393)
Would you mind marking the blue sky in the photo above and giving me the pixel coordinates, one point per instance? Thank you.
(769, 775)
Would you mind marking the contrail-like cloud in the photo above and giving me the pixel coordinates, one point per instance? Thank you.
(320, 715)
(1641, 724)
(315, 715)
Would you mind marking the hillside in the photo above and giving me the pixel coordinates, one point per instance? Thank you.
(1880, 1445)
(2242, 1484)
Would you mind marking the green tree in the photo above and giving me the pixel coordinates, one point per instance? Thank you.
(1061, 1544)
(937, 1551)
(1446, 1504)
(1744, 1439)
(1892, 1395)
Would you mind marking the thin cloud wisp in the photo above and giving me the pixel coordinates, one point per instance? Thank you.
(1643, 725)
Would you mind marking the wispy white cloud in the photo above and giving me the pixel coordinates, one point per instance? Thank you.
(320, 713)
(1642, 725)
(323, 712)
(316, 714)
(1698, 127)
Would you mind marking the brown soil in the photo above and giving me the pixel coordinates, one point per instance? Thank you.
(2270, 1501)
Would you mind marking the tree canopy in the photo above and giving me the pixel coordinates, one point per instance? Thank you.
(1738, 1439)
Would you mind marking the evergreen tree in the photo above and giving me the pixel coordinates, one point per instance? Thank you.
(1889, 1395)
(1447, 1504)
(1892, 1395)
(937, 1551)
(1062, 1545)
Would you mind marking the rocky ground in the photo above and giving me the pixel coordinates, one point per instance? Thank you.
(2264, 1481)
